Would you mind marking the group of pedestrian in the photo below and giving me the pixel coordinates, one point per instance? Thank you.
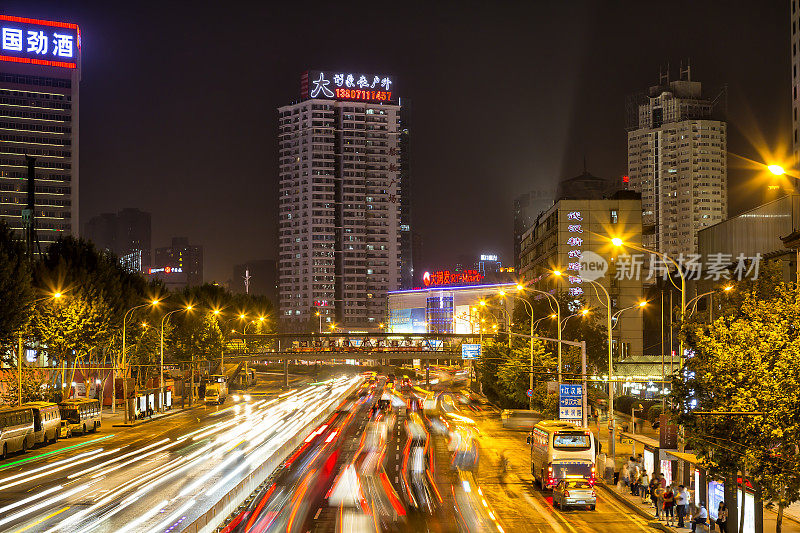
(673, 504)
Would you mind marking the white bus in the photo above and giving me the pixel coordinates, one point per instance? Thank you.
(561, 450)
(46, 421)
(81, 414)
(16, 430)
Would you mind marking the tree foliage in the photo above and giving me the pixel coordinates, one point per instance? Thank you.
(746, 361)
(16, 291)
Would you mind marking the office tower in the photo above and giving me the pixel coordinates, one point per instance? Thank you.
(125, 234)
(181, 257)
(39, 77)
(340, 197)
(677, 145)
(527, 207)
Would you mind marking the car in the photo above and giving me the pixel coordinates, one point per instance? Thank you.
(64, 431)
(574, 493)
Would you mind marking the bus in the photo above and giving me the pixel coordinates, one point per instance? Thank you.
(561, 450)
(81, 414)
(16, 430)
(46, 421)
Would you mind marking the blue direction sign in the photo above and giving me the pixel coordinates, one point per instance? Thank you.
(470, 351)
(570, 403)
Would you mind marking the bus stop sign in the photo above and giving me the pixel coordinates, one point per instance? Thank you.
(570, 403)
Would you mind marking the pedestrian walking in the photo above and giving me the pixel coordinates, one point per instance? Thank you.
(722, 517)
(669, 505)
(681, 504)
(653, 493)
(644, 486)
(662, 480)
(659, 501)
(635, 481)
(700, 517)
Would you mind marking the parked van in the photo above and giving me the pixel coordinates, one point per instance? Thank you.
(16, 430)
(46, 421)
(81, 414)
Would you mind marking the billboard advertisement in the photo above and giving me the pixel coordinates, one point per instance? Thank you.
(342, 85)
(39, 42)
(408, 320)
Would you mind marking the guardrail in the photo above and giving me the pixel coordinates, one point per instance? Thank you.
(211, 519)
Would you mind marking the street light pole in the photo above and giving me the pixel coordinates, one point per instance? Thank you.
(528, 305)
(161, 371)
(612, 426)
(124, 372)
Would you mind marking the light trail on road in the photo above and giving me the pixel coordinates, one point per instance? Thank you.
(153, 486)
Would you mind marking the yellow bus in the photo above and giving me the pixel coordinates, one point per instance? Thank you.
(81, 414)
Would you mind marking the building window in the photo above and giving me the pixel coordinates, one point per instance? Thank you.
(614, 216)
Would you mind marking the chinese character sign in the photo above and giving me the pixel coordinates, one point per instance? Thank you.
(575, 242)
(340, 85)
(39, 42)
(570, 404)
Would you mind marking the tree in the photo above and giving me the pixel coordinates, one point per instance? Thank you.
(34, 388)
(16, 292)
(513, 373)
(746, 361)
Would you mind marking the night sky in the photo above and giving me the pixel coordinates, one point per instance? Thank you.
(178, 102)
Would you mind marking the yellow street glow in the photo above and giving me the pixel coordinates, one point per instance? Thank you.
(777, 170)
(616, 241)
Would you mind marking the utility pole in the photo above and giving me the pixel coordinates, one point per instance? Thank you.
(19, 370)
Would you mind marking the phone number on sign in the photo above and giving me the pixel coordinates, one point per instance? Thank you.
(359, 94)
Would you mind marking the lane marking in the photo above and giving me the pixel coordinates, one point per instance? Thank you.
(625, 512)
(545, 513)
(51, 515)
(60, 450)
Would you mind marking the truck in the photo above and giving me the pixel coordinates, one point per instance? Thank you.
(216, 389)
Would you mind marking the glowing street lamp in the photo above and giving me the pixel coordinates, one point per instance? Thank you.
(161, 368)
(776, 169)
(152, 303)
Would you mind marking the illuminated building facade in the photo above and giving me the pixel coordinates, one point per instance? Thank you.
(342, 224)
(39, 78)
(573, 237)
(181, 257)
(677, 160)
(449, 309)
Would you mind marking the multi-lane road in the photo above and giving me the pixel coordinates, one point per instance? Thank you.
(376, 462)
(159, 476)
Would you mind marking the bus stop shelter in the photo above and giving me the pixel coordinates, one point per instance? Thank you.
(651, 452)
(711, 492)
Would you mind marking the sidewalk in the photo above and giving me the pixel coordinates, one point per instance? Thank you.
(117, 419)
(791, 515)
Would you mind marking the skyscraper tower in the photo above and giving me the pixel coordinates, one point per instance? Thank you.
(39, 77)
(677, 145)
(340, 198)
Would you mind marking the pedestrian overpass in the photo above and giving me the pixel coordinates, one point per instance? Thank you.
(340, 347)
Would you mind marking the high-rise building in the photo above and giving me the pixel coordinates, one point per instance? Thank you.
(181, 257)
(527, 207)
(677, 146)
(125, 234)
(39, 77)
(572, 237)
(340, 197)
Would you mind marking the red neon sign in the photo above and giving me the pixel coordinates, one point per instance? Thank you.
(17, 49)
(360, 94)
(445, 277)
